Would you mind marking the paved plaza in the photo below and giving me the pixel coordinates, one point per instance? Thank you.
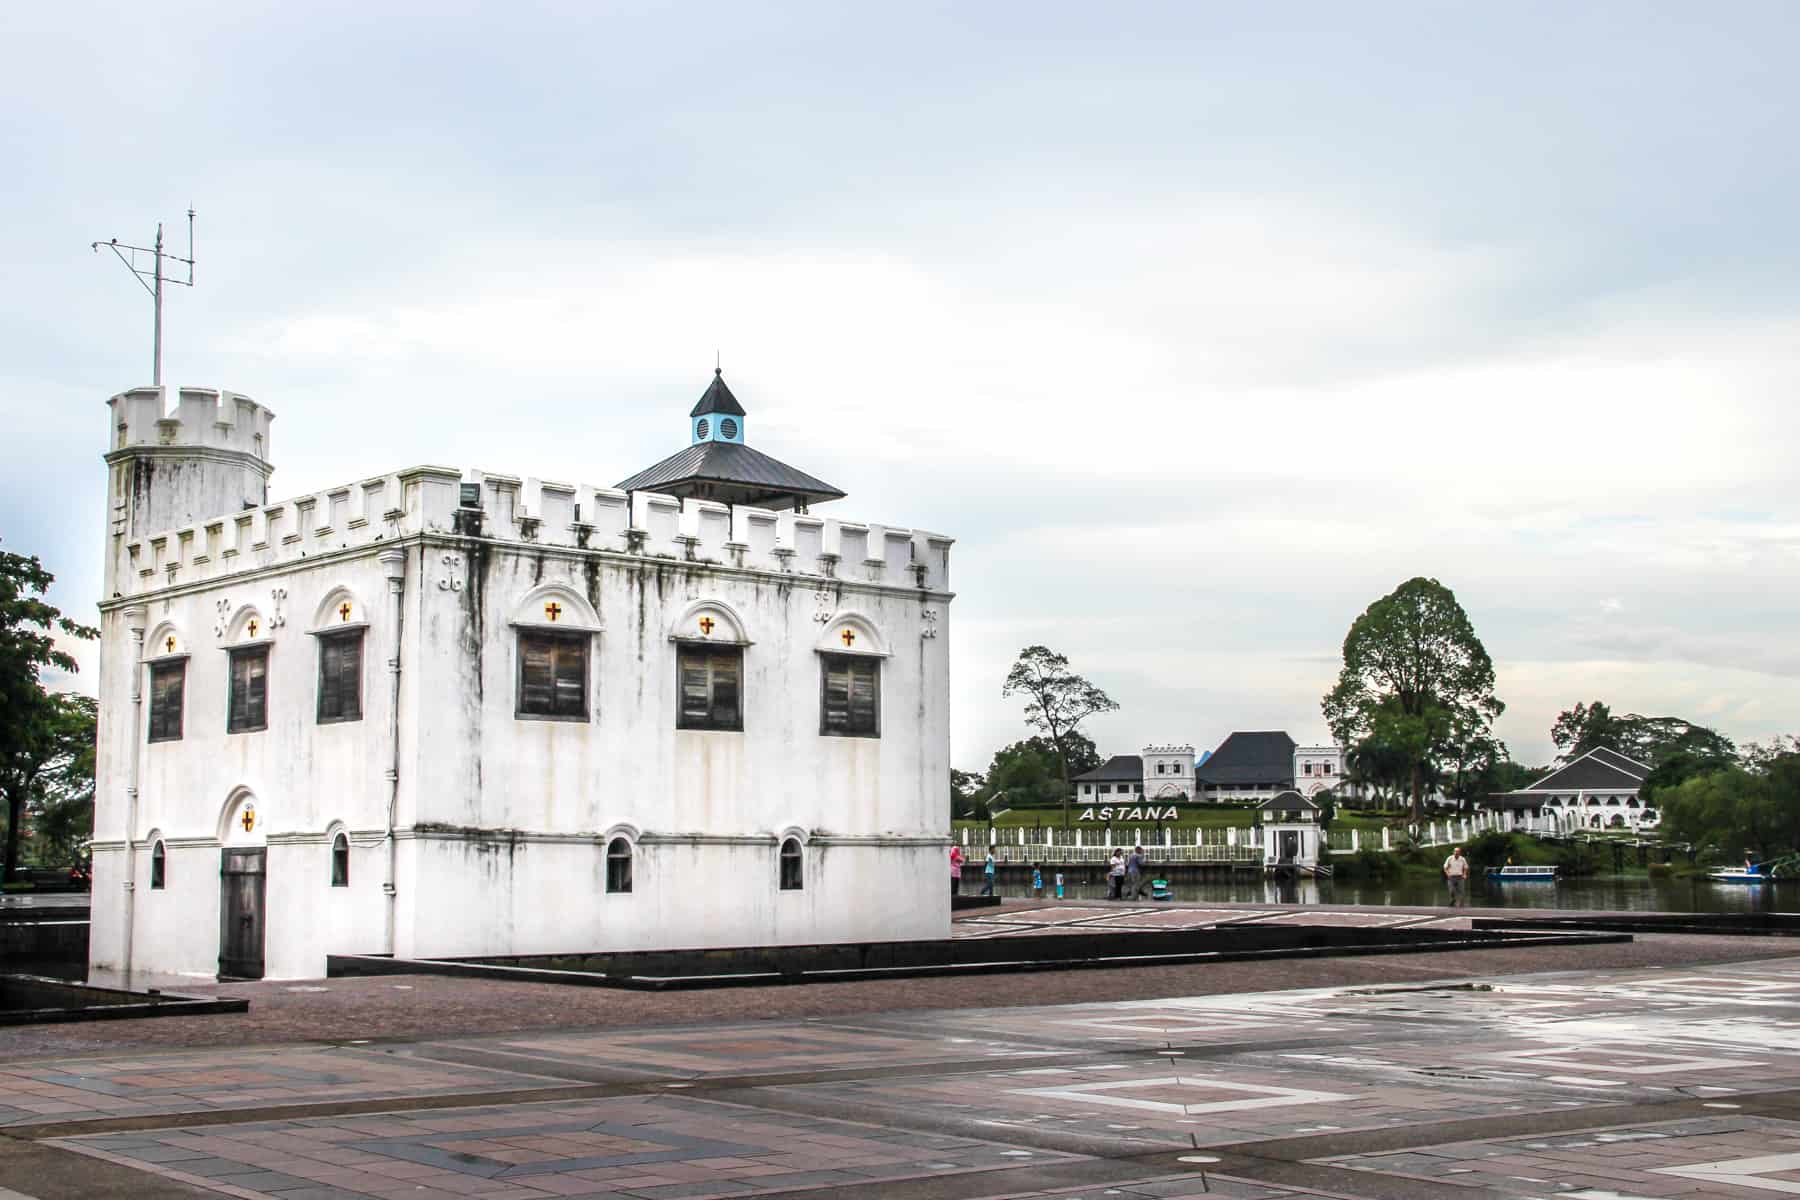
(1676, 1076)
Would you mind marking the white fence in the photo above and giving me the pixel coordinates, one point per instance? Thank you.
(1024, 844)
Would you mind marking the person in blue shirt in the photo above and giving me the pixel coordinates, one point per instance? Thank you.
(1037, 881)
(987, 874)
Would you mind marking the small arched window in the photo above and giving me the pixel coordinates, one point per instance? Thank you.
(792, 876)
(157, 871)
(340, 860)
(618, 866)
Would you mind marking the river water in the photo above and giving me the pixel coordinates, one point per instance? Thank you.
(1594, 893)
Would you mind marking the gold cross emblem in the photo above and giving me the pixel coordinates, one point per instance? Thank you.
(248, 820)
(849, 637)
(344, 611)
(706, 626)
(170, 644)
(253, 627)
(553, 610)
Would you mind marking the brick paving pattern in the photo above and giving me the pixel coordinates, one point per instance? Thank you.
(1678, 1076)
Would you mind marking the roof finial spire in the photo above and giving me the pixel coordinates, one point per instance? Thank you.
(718, 369)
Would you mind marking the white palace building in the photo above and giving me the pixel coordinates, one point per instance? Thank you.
(439, 712)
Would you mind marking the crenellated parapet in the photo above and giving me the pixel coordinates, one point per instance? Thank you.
(507, 509)
(202, 418)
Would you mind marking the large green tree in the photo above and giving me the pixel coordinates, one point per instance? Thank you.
(1057, 701)
(1028, 773)
(1652, 741)
(61, 807)
(1737, 809)
(33, 722)
(1417, 678)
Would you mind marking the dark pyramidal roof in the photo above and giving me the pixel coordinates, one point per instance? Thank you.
(1261, 757)
(1115, 769)
(1597, 770)
(734, 474)
(1288, 801)
(730, 472)
(718, 399)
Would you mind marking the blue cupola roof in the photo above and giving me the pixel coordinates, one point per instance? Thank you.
(718, 417)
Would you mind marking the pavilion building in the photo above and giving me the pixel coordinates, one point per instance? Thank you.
(435, 712)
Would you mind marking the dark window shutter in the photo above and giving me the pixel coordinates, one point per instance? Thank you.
(851, 704)
(166, 688)
(864, 696)
(239, 715)
(837, 696)
(553, 674)
(536, 675)
(725, 713)
(569, 672)
(352, 684)
(696, 695)
(711, 683)
(258, 689)
(331, 695)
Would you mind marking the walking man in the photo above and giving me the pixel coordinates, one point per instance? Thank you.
(987, 874)
(1134, 874)
(1456, 872)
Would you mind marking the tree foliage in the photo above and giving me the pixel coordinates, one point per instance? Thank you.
(1028, 773)
(60, 809)
(1057, 701)
(1652, 741)
(1736, 809)
(1418, 681)
(34, 724)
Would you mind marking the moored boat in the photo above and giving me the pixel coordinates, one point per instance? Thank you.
(1740, 875)
(1522, 874)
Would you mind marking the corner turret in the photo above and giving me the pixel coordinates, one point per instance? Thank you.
(207, 459)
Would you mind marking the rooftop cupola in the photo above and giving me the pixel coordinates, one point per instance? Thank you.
(718, 417)
(717, 465)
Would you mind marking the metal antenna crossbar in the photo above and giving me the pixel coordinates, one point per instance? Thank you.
(128, 254)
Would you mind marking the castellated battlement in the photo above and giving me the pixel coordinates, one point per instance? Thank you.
(1168, 750)
(528, 512)
(207, 418)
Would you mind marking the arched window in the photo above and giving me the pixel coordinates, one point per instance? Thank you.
(157, 859)
(340, 860)
(618, 865)
(792, 875)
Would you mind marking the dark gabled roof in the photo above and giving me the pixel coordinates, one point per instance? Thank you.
(718, 399)
(1265, 757)
(1630, 766)
(1594, 771)
(1288, 801)
(1118, 767)
(731, 472)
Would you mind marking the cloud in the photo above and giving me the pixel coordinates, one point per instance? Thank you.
(1199, 330)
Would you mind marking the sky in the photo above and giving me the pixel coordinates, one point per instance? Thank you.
(1200, 327)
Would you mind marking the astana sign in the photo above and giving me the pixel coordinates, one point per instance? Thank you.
(1136, 812)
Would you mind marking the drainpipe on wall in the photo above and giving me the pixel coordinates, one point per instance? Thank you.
(134, 620)
(395, 563)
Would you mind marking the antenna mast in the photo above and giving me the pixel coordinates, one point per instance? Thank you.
(128, 254)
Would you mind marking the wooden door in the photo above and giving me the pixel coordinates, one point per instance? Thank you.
(241, 876)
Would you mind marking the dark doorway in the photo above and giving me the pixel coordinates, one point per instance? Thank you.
(241, 876)
(1290, 846)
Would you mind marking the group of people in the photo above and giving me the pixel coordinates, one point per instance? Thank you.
(1124, 875)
